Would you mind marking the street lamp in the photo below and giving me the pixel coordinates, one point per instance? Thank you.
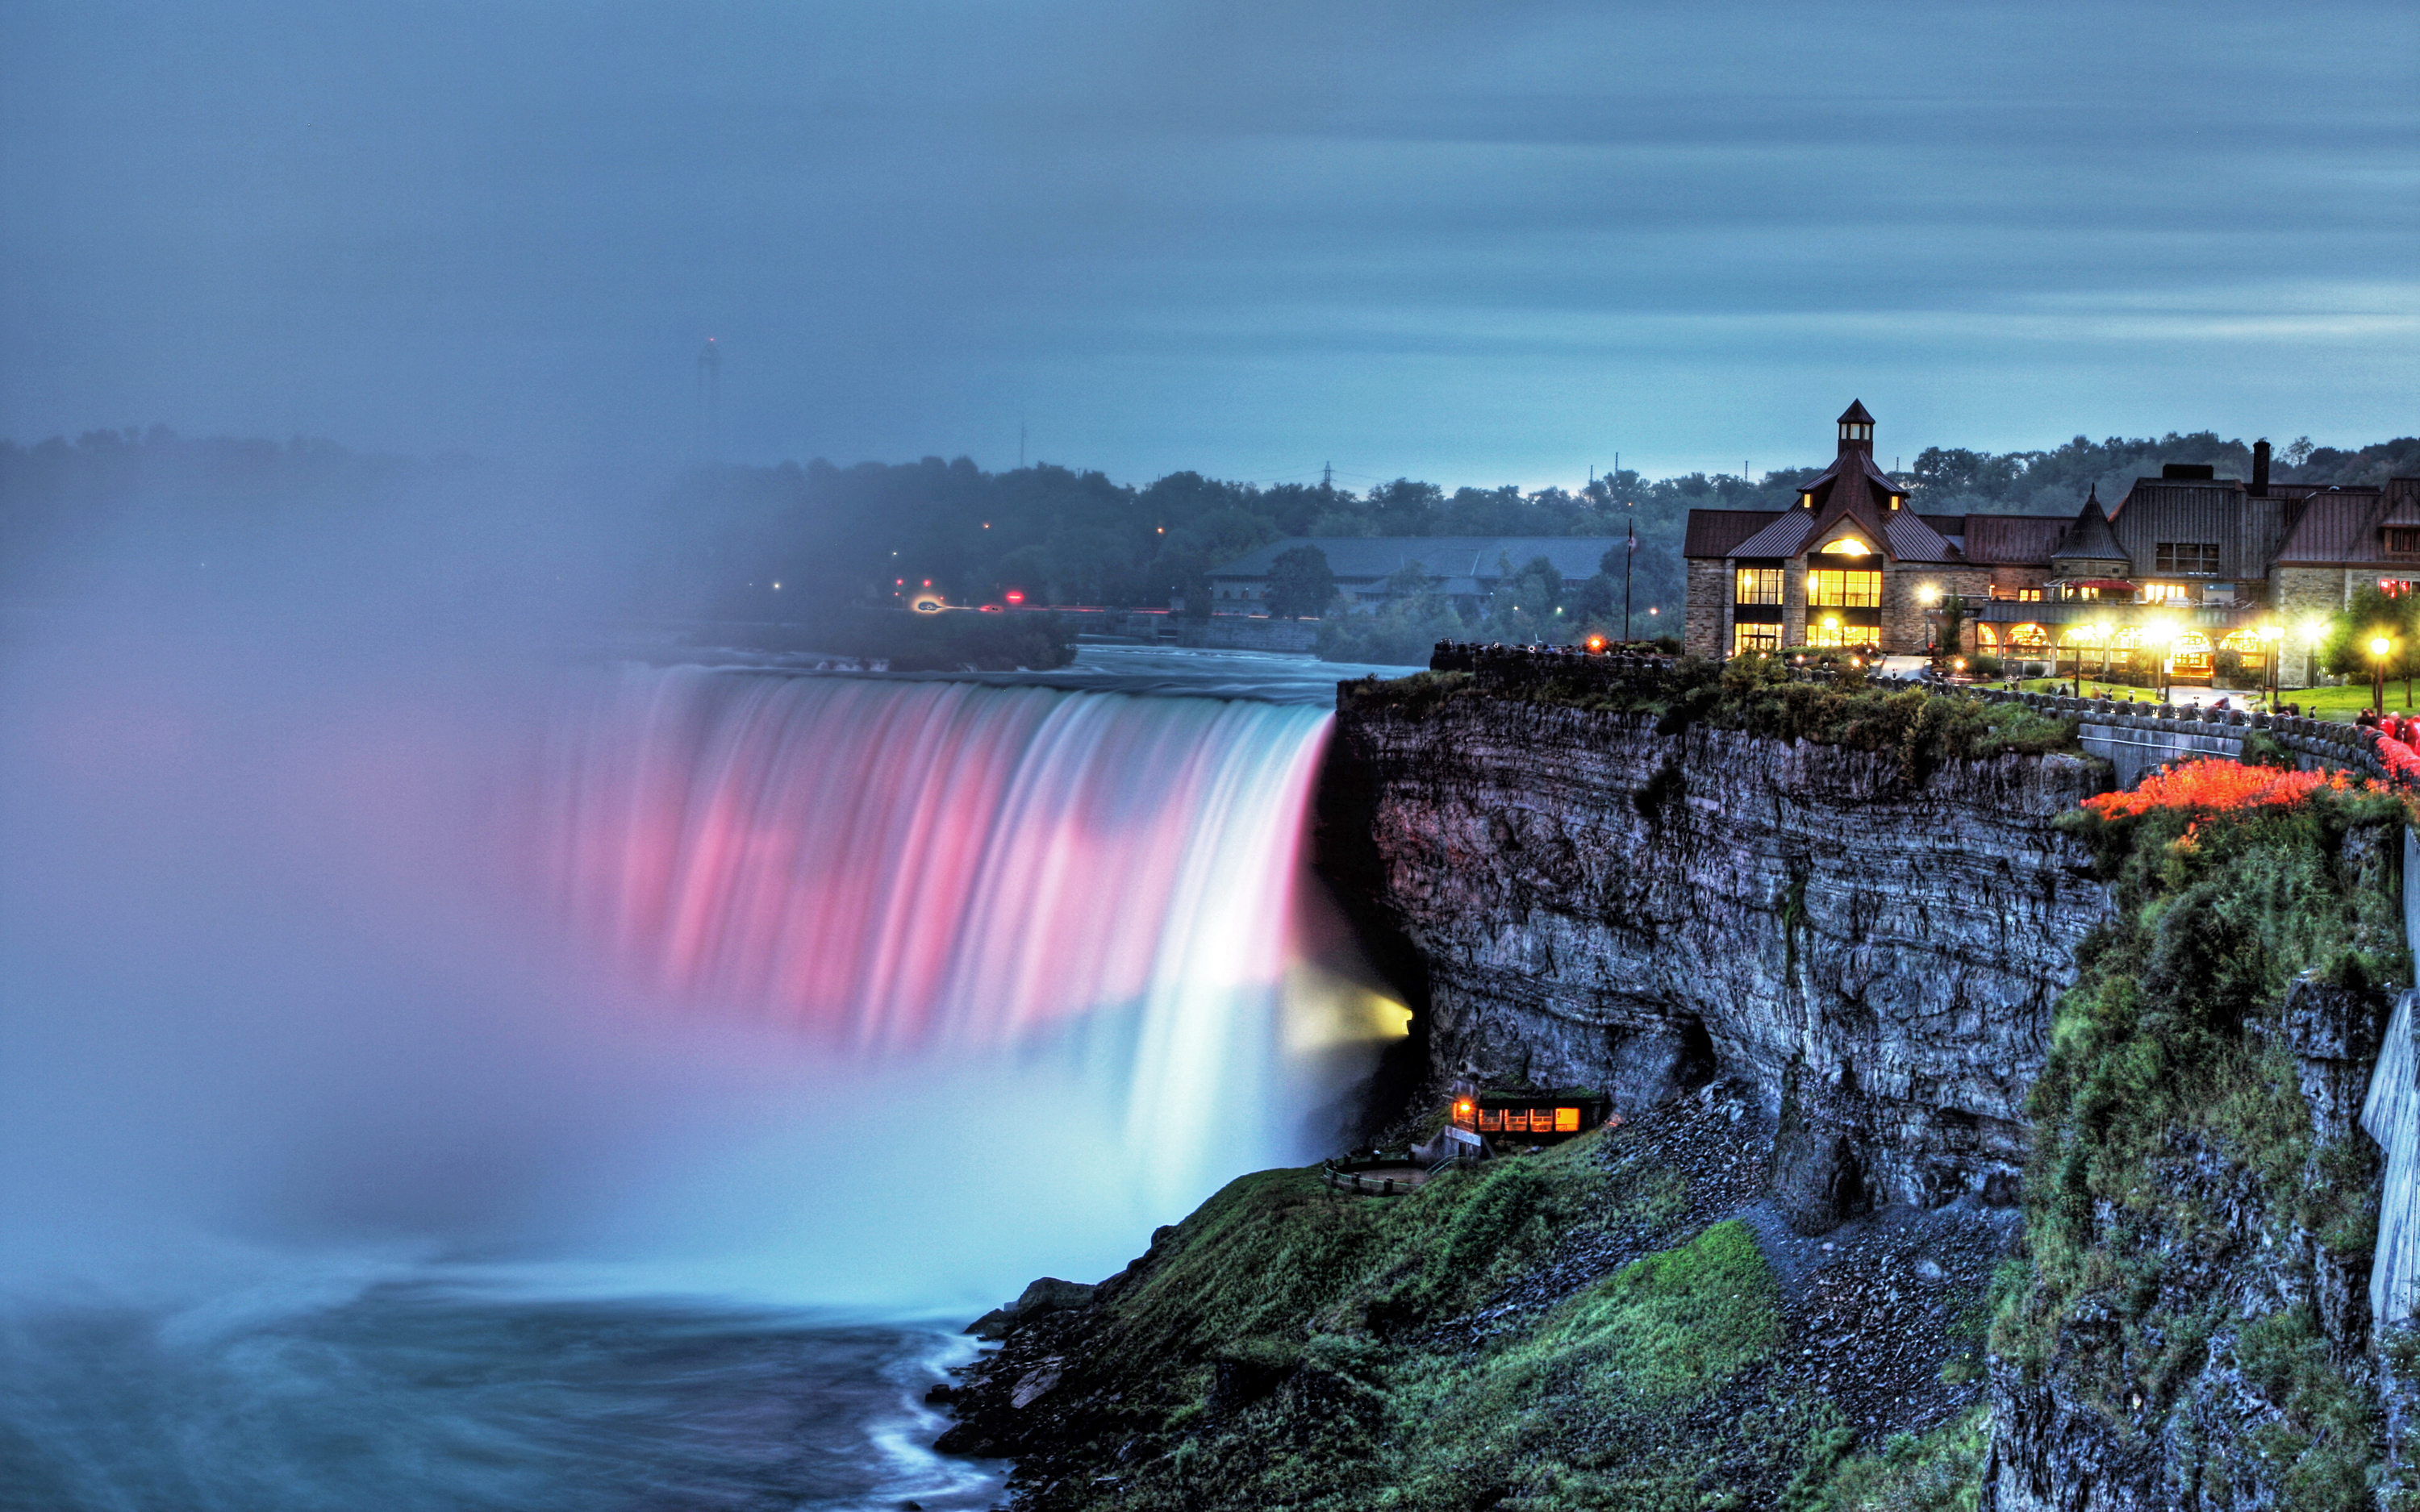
(2272, 639)
(2164, 636)
(2378, 647)
(2314, 630)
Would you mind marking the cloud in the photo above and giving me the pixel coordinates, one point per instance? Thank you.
(1233, 237)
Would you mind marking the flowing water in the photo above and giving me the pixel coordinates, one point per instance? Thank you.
(405, 1105)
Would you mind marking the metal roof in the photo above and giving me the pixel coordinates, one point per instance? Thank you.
(1781, 538)
(1717, 532)
(2012, 538)
(2335, 525)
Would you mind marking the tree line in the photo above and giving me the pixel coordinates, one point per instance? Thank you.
(716, 541)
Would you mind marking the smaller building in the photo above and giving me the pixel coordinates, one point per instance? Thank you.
(1536, 1117)
(1464, 568)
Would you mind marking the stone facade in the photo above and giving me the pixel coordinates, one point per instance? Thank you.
(1708, 629)
(2301, 594)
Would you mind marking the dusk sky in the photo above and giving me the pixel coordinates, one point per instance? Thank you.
(1477, 243)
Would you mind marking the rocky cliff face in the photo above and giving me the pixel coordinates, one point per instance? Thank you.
(1585, 901)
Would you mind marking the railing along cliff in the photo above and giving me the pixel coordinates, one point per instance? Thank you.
(2134, 736)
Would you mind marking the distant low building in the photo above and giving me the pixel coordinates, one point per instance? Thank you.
(1465, 568)
(2188, 561)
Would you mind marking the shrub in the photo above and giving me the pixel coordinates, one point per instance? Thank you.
(2166, 1129)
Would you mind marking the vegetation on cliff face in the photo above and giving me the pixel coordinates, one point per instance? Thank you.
(2194, 1249)
(1758, 695)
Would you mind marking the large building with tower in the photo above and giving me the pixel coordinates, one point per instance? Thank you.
(2194, 560)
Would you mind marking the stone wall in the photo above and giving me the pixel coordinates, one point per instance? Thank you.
(1709, 629)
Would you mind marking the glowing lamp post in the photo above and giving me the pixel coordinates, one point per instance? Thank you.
(2378, 647)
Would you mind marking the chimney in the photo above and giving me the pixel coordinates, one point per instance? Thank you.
(2260, 470)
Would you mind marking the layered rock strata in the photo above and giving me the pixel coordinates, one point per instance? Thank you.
(1582, 900)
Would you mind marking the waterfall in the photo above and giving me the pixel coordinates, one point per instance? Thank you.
(944, 874)
(2391, 1113)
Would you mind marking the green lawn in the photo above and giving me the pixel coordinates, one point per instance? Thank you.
(2319, 702)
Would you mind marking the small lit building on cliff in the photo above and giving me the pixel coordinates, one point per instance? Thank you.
(1538, 1118)
(2188, 561)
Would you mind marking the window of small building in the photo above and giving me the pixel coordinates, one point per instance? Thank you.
(1831, 588)
(2186, 557)
(2248, 645)
(1567, 1121)
(1750, 639)
(1757, 585)
(2029, 637)
(1986, 638)
(2403, 540)
(1831, 632)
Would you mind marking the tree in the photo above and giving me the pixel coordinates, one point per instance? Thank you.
(1528, 605)
(2373, 613)
(1402, 632)
(1953, 625)
(1301, 585)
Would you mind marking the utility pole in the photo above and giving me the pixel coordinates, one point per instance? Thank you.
(1020, 448)
(1328, 477)
(709, 400)
(1629, 555)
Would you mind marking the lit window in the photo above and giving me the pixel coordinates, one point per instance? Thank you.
(1567, 1121)
(1747, 640)
(1833, 633)
(1829, 589)
(1757, 585)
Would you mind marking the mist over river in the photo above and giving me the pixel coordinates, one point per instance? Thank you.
(604, 1085)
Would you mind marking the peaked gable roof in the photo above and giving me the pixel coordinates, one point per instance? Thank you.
(2336, 525)
(1783, 537)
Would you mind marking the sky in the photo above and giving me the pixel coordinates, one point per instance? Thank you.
(1477, 243)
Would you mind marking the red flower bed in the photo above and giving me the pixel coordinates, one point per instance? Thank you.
(2402, 762)
(2220, 786)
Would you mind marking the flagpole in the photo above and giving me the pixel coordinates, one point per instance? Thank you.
(1629, 556)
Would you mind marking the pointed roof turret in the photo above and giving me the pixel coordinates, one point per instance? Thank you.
(2090, 539)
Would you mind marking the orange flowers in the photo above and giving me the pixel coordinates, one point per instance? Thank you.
(2216, 787)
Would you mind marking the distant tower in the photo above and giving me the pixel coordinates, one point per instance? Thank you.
(709, 401)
